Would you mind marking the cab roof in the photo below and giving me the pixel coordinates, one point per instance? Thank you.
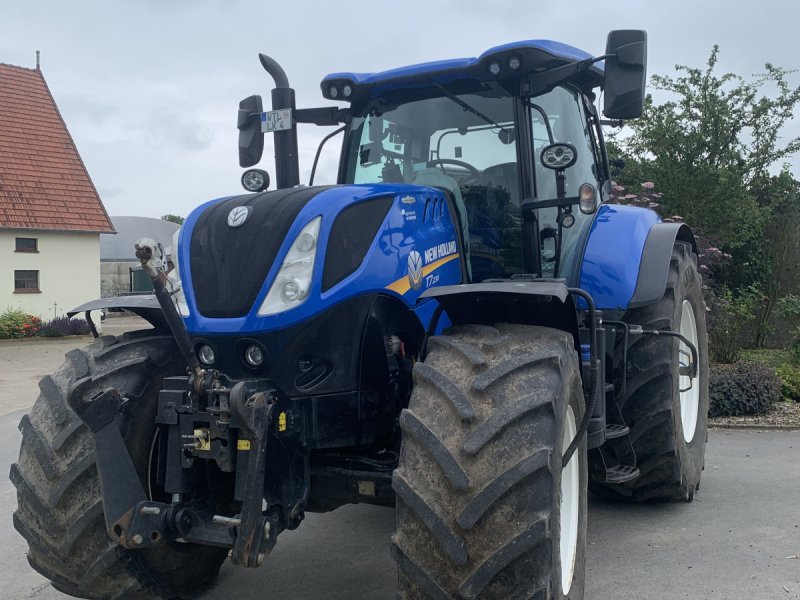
(532, 56)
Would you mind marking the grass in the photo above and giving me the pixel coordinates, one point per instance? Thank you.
(771, 357)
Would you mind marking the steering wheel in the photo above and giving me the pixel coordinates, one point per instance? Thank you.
(452, 161)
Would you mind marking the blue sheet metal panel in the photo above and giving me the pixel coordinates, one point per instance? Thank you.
(613, 254)
(557, 49)
(409, 254)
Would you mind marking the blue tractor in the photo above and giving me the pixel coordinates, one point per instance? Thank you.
(461, 328)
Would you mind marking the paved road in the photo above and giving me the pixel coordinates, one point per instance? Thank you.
(731, 543)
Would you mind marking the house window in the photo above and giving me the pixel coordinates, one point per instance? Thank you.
(27, 245)
(26, 281)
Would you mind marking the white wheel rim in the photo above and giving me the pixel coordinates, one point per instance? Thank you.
(570, 498)
(690, 398)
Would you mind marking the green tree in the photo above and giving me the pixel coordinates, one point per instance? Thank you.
(710, 149)
(173, 219)
(709, 146)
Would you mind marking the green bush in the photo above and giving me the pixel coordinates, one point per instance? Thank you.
(727, 317)
(61, 326)
(742, 388)
(790, 381)
(15, 323)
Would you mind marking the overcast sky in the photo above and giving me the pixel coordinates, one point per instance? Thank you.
(149, 89)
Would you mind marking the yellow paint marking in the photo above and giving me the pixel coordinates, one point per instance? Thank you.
(282, 422)
(243, 445)
(402, 285)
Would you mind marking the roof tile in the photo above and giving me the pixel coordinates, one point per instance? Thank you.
(43, 181)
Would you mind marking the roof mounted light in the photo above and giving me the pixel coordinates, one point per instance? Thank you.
(514, 62)
(347, 90)
(494, 68)
(333, 91)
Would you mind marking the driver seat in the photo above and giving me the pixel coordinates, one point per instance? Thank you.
(433, 177)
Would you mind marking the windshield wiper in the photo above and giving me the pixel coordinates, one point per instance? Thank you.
(509, 133)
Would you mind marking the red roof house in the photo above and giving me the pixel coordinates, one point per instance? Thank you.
(50, 212)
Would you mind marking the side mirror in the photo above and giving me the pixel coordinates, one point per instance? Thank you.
(626, 74)
(251, 140)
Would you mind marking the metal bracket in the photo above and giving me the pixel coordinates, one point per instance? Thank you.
(256, 534)
(121, 490)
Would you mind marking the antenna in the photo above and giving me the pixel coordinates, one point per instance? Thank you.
(37, 60)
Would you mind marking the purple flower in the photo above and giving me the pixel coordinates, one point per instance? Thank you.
(648, 185)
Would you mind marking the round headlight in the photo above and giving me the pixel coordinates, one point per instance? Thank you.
(514, 63)
(291, 291)
(206, 354)
(586, 197)
(305, 243)
(494, 68)
(347, 90)
(567, 220)
(255, 180)
(254, 356)
(333, 91)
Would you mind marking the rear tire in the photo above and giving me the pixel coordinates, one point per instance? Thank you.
(60, 511)
(669, 451)
(479, 483)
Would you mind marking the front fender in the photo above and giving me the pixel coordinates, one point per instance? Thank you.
(627, 256)
(146, 306)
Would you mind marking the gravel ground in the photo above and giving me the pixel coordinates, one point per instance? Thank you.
(780, 414)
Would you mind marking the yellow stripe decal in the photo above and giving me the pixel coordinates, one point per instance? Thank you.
(402, 285)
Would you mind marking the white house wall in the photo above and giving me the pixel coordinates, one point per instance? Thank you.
(68, 265)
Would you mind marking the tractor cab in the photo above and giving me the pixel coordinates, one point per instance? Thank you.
(513, 138)
(484, 148)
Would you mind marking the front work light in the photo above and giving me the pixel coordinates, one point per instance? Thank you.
(559, 156)
(206, 354)
(293, 281)
(494, 68)
(254, 355)
(255, 180)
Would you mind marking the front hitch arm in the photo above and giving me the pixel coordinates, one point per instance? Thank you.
(120, 486)
(256, 533)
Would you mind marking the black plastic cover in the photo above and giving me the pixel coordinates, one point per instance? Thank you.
(351, 236)
(229, 264)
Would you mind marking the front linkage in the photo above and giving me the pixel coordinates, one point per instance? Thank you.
(204, 415)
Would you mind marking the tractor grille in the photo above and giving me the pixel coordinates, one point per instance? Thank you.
(229, 264)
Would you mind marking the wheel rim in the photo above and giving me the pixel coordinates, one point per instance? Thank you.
(570, 498)
(690, 398)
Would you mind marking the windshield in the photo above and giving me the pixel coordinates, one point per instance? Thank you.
(465, 146)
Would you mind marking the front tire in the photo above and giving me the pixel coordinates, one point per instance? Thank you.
(668, 427)
(60, 510)
(484, 509)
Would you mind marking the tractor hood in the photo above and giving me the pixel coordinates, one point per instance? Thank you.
(236, 255)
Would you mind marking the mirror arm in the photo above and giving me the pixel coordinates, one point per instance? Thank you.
(328, 115)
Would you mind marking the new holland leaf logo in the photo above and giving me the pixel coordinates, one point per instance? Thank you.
(414, 270)
(238, 216)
